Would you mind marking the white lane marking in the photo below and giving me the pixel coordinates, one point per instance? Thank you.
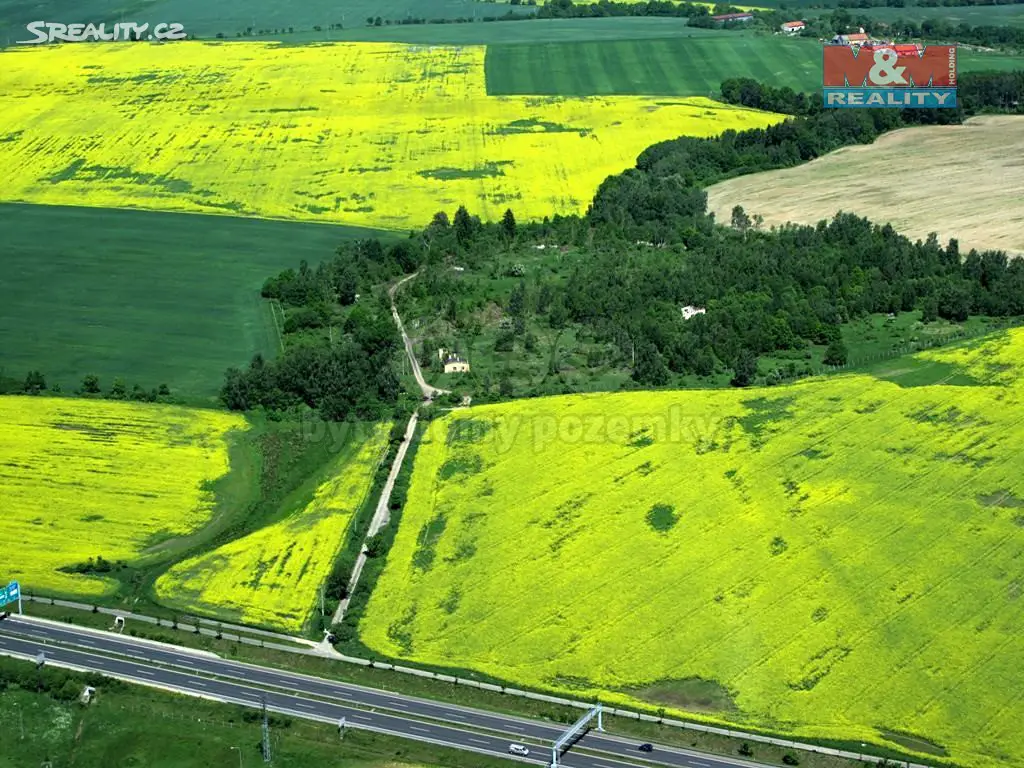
(514, 727)
(200, 683)
(360, 717)
(397, 703)
(145, 672)
(417, 728)
(479, 741)
(304, 705)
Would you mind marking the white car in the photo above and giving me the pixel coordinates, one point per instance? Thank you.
(518, 749)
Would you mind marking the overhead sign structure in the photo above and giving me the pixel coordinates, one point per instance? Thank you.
(11, 594)
(574, 733)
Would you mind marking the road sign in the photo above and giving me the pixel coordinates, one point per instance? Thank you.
(11, 594)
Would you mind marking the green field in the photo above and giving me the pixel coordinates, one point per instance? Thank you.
(838, 558)
(677, 66)
(207, 19)
(149, 297)
(516, 32)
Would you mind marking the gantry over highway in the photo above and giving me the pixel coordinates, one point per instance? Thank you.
(203, 674)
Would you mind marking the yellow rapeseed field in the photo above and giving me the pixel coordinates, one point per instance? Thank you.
(371, 134)
(839, 558)
(87, 478)
(271, 577)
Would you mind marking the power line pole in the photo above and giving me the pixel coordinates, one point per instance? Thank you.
(266, 733)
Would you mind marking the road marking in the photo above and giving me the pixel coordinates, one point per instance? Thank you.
(397, 703)
(417, 728)
(304, 705)
(514, 727)
(479, 741)
(145, 672)
(200, 683)
(360, 717)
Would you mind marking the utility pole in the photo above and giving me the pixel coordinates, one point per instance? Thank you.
(266, 733)
(321, 599)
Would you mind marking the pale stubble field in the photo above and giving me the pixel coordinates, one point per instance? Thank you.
(964, 182)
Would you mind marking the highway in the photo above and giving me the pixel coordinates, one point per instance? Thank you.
(327, 700)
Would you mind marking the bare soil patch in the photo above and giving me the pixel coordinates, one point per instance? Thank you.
(963, 181)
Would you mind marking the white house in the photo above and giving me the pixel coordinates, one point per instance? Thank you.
(689, 311)
(452, 363)
(792, 27)
(455, 364)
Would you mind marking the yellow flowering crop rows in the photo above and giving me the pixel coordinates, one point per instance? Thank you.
(271, 576)
(87, 478)
(358, 133)
(842, 558)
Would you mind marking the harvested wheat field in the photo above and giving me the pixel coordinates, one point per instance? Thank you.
(961, 181)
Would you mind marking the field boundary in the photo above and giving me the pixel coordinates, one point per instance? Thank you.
(910, 348)
(275, 307)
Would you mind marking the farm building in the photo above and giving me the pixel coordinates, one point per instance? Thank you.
(732, 17)
(689, 312)
(792, 27)
(855, 39)
(452, 363)
(903, 49)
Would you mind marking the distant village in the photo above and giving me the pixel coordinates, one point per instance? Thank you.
(858, 39)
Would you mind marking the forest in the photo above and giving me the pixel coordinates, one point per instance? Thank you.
(646, 247)
(339, 346)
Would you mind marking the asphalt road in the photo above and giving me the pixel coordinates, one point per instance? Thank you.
(292, 693)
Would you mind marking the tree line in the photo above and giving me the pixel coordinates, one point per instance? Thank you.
(35, 383)
(339, 345)
(911, 3)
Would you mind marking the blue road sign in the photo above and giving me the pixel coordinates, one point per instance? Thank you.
(13, 592)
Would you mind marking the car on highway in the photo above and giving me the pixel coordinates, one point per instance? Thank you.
(646, 747)
(518, 749)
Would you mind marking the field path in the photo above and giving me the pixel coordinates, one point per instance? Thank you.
(381, 515)
(428, 391)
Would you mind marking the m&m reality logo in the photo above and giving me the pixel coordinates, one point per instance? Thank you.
(888, 75)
